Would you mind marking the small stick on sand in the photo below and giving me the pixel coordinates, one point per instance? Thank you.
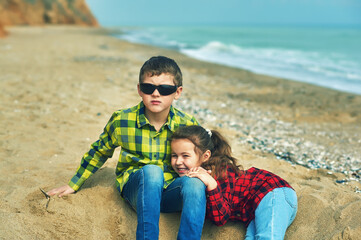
(47, 197)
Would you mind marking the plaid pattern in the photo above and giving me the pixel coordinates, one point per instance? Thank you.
(140, 145)
(237, 196)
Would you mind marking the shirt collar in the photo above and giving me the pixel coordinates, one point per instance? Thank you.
(142, 120)
(170, 121)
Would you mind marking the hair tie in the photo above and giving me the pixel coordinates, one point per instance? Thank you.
(209, 132)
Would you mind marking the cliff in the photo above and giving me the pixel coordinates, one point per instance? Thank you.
(39, 12)
(3, 33)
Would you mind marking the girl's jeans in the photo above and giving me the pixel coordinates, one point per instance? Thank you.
(144, 191)
(274, 214)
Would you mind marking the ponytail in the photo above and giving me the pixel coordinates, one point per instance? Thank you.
(221, 157)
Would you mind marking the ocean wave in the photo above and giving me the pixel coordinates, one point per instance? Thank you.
(319, 67)
(312, 67)
(151, 37)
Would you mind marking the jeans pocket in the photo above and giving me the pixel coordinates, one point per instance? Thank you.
(290, 196)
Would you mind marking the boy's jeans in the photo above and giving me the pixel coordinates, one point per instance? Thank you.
(274, 214)
(144, 191)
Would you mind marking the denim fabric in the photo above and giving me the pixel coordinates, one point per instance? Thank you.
(274, 214)
(144, 192)
(191, 194)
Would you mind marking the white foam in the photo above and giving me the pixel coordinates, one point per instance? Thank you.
(323, 68)
(311, 67)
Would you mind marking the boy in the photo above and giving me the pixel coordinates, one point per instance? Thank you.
(145, 178)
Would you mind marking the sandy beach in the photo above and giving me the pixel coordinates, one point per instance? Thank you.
(60, 85)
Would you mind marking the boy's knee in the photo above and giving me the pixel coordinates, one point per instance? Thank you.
(193, 186)
(153, 174)
(152, 170)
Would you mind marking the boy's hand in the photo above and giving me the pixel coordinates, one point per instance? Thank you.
(204, 176)
(61, 191)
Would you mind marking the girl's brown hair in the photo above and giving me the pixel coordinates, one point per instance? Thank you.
(221, 152)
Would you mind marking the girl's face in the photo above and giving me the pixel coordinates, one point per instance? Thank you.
(184, 156)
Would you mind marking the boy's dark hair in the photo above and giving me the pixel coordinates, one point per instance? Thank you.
(155, 66)
(221, 152)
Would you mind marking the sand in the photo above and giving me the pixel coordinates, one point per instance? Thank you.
(60, 85)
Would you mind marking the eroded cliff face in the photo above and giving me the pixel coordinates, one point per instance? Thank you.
(39, 12)
(3, 33)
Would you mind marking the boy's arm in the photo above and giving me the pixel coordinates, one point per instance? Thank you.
(61, 191)
(99, 152)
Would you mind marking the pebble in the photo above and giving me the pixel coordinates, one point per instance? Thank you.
(307, 145)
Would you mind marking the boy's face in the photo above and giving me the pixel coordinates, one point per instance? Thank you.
(156, 103)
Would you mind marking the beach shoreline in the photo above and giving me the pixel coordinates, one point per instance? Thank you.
(304, 54)
(60, 85)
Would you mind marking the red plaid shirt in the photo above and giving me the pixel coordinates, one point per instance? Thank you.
(237, 196)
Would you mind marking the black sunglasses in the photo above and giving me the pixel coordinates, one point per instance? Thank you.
(163, 89)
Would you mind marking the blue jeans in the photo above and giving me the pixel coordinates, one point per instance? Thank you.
(144, 192)
(274, 214)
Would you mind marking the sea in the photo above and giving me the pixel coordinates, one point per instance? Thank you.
(328, 56)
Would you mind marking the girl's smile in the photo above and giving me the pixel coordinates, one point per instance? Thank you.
(184, 156)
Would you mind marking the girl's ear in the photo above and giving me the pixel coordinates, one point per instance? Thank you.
(206, 155)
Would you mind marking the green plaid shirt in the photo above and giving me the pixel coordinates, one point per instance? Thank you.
(140, 145)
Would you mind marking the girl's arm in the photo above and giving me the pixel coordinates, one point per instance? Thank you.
(218, 207)
(204, 176)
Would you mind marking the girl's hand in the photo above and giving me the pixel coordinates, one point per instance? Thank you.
(204, 176)
(61, 191)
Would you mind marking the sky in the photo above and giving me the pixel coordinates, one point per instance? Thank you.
(226, 12)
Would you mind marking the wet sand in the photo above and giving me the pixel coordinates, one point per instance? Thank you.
(60, 85)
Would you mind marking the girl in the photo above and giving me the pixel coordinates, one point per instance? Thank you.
(261, 199)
